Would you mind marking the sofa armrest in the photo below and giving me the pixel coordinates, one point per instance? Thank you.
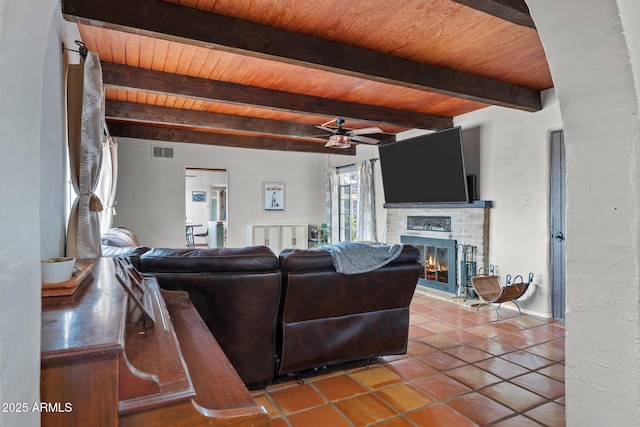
(132, 253)
(119, 237)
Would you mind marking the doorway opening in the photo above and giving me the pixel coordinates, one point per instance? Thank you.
(206, 212)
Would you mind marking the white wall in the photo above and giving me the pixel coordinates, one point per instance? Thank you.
(514, 154)
(31, 186)
(151, 191)
(592, 54)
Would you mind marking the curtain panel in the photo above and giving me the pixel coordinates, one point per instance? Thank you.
(366, 213)
(333, 212)
(108, 182)
(84, 139)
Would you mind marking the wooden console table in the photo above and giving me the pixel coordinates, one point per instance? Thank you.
(101, 366)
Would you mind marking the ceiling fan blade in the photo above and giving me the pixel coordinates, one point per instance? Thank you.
(365, 131)
(364, 139)
(326, 128)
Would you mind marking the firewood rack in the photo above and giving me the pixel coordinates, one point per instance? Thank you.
(488, 287)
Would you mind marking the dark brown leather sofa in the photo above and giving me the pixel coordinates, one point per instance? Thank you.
(275, 316)
(328, 318)
(236, 292)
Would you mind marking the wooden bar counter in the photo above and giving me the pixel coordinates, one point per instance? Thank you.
(101, 366)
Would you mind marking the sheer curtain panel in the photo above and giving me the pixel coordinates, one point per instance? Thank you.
(366, 214)
(107, 183)
(333, 210)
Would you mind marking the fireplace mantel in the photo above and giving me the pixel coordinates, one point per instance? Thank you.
(475, 204)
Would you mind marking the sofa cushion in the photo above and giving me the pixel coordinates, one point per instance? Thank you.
(251, 258)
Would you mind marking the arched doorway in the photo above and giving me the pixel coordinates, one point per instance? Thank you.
(592, 50)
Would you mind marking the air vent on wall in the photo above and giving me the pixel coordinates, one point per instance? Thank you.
(157, 151)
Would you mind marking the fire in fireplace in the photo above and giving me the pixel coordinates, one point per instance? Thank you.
(438, 257)
(436, 264)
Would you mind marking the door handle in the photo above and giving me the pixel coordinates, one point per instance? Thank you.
(559, 236)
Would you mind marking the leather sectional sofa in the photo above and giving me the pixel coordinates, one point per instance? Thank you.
(280, 315)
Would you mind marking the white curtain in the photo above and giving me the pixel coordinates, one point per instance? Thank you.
(84, 132)
(107, 183)
(366, 213)
(333, 212)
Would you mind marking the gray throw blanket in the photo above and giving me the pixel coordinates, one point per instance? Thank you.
(356, 258)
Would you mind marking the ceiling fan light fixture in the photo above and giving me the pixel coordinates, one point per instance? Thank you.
(339, 141)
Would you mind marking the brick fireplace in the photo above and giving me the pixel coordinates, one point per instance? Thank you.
(464, 225)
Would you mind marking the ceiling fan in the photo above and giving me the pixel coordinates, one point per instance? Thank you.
(343, 138)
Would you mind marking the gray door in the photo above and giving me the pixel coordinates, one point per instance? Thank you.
(557, 225)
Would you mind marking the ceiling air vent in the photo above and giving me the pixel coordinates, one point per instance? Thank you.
(157, 151)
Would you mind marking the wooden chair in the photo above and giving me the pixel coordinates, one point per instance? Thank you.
(489, 289)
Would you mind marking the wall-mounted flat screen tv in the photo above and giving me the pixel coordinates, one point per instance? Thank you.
(425, 169)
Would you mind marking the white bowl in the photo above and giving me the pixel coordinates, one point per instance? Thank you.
(56, 270)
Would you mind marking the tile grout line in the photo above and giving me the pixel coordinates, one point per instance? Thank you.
(455, 321)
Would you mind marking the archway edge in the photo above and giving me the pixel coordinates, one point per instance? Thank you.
(593, 52)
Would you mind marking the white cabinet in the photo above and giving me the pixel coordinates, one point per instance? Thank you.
(294, 236)
(267, 235)
(278, 236)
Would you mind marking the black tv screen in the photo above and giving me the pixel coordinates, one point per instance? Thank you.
(425, 169)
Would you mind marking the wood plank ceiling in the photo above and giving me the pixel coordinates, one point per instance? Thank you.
(265, 73)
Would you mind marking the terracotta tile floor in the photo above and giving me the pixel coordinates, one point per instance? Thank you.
(462, 368)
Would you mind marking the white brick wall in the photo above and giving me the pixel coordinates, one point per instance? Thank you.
(469, 226)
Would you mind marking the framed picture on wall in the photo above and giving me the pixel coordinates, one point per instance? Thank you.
(198, 196)
(273, 196)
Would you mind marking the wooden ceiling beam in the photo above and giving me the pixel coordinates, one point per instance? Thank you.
(158, 82)
(514, 11)
(157, 133)
(157, 115)
(173, 22)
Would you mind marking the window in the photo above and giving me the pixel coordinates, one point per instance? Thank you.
(348, 203)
